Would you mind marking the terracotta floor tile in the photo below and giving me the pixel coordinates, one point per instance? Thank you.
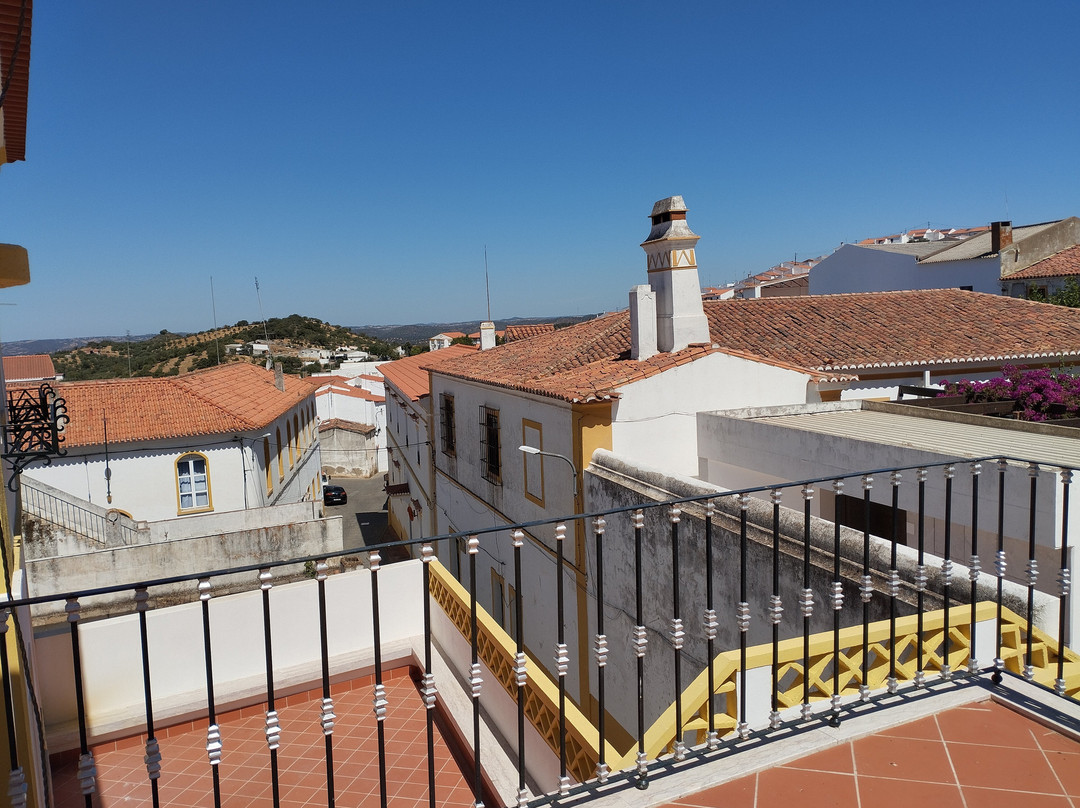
(993, 798)
(1067, 768)
(987, 724)
(925, 729)
(806, 789)
(903, 758)
(1049, 740)
(739, 793)
(881, 792)
(1003, 768)
(835, 759)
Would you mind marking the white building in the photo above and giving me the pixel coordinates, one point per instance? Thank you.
(444, 340)
(352, 424)
(986, 262)
(228, 438)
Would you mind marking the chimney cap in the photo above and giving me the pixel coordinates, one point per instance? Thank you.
(672, 203)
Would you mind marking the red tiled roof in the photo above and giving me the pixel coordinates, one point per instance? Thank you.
(15, 101)
(1061, 264)
(236, 397)
(347, 426)
(352, 392)
(28, 368)
(825, 336)
(410, 375)
(517, 332)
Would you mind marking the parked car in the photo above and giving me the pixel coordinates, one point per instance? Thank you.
(334, 495)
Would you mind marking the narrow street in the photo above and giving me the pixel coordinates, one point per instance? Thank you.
(364, 521)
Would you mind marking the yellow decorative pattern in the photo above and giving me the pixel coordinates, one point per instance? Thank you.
(497, 651)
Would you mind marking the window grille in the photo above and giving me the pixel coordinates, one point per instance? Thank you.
(490, 446)
(449, 433)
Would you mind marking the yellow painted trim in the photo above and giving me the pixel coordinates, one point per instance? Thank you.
(526, 423)
(829, 395)
(289, 442)
(280, 457)
(591, 430)
(209, 492)
(269, 467)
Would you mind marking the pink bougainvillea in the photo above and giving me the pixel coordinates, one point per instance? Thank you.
(1040, 394)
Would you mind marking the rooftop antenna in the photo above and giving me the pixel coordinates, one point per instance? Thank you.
(487, 285)
(213, 308)
(128, 332)
(1007, 218)
(266, 336)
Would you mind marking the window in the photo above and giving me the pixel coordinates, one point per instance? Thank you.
(192, 483)
(852, 513)
(532, 434)
(289, 441)
(266, 465)
(449, 431)
(296, 434)
(490, 448)
(280, 459)
(511, 602)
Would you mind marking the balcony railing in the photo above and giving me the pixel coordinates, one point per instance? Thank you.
(866, 624)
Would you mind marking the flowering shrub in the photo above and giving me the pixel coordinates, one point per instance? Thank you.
(1034, 391)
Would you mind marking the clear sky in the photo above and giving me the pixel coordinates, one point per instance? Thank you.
(357, 157)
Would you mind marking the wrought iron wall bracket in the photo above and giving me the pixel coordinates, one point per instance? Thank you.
(35, 428)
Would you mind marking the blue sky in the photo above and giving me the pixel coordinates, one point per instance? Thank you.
(357, 157)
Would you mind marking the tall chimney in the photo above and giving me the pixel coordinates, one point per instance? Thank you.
(673, 275)
(487, 336)
(642, 322)
(1000, 236)
(279, 377)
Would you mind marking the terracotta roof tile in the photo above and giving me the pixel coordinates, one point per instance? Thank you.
(826, 336)
(15, 103)
(236, 397)
(517, 332)
(23, 368)
(347, 426)
(410, 375)
(1061, 264)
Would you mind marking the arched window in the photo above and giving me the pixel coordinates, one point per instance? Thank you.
(288, 439)
(193, 483)
(296, 434)
(267, 466)
(280, 459)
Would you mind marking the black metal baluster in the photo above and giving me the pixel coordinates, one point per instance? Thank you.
(562, 658)
(428, 691)
(677, 633)
(894, 578)
(920, 580)
(600, 649)
(837, 603)
(1000, 565)
(776, 611)
(946, 574)
(475, 680)
(1063, 581)
(1032, 569)
(520, 670)
(974, 566)
(87, 772)
(742, 618)
(380, 701)
(866, 590)
(710, 624)
(213, 731)
(17, 787)
(273, 728)
(326, 708)
(640, 642)
(806, 601)
(153, 753)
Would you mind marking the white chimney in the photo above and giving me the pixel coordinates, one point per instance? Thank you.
(673, 275)
(487, 336)
(642, 322)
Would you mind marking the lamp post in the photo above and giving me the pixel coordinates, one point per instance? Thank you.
(573, 469)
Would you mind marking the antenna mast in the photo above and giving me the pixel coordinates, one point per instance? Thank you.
(487, 285)
(266, 336)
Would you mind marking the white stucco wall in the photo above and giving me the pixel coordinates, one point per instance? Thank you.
(860, 269)
(655, 418)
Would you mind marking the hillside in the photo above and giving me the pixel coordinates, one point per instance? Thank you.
(169, 354)
(419, 333)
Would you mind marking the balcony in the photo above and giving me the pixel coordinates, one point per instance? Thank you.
(395, 683)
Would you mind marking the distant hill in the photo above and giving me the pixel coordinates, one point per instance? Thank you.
(419, 333)
(29, 347)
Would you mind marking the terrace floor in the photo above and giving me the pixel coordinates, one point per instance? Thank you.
(980, 753)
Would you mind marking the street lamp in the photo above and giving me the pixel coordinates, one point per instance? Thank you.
(573, 469)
